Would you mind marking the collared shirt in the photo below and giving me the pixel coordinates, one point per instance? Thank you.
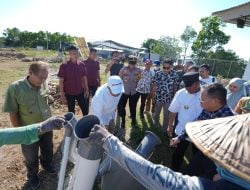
(22, 135)
(165, 83)
(144, 83)
(29, 103)
(224, 111)
(209, 80)
(187, 106)
(130, 79)
(92, 69)
(103, 105)
(115, 68)
(72, 73)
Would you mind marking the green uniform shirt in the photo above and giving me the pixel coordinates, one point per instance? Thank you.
(30, 103)
(21, 135)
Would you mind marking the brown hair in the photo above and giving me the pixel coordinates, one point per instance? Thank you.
(38, 66)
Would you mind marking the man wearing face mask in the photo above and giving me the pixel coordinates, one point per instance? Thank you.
(105, 102)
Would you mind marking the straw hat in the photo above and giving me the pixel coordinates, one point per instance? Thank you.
(226, 141)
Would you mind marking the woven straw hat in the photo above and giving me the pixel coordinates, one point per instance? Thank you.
(226, 141)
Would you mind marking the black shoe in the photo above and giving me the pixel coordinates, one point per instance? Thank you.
(134, 124)
(34, 183)
(50, 169)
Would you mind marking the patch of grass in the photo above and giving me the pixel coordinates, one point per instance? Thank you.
(30, 52)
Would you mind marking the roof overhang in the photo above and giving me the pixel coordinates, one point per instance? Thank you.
(236, 15)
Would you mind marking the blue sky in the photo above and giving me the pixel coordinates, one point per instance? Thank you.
(125, 21)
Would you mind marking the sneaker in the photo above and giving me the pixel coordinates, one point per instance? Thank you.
(34, 183)
(50, 169)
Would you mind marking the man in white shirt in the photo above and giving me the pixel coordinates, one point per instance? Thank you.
(105, 101)
(205, 78)
(186, 103)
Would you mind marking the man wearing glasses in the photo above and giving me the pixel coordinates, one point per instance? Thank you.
(164, 86)
(26, 101)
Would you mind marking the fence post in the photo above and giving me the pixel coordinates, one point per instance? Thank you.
(229, 69)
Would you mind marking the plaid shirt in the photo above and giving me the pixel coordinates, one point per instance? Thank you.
(224, 111)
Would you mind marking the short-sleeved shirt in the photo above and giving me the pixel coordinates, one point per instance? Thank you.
(29, 103)
(130, 79)
(72, 73)
(144, 83)
(92, 71)
(209, 80)
(165, 83)
(115, 68)
(187, 106)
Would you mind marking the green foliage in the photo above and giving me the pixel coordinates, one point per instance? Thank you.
(188, 37)
(210, 37)
(149, 43)
(16, 38)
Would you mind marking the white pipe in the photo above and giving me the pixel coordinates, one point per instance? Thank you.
(89, 155)
(84, 176)
(64, 162)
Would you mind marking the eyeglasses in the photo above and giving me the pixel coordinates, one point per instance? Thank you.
(167, 68)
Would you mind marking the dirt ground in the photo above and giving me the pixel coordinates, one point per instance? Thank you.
(12, 168)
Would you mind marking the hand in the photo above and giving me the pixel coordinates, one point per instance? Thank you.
(86, 93)
(111, 126)
(170, 131)
(63, 99)
(174, 142)
(98, 135)
(53, 123)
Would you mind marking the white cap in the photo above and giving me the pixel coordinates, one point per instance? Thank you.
(115, 83)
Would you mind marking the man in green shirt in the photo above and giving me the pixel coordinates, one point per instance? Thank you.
(29, 134)
(26, 101)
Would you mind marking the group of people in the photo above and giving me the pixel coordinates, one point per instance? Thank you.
(186, 93)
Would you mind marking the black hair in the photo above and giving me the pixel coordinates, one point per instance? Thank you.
(195, 68)
(168, 61)
(190, 63)
(72, 48)
(205, 66)
(217, 91)
(114, 52)
(92, 50)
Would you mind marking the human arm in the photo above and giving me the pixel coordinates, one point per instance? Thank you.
(62, 93)
(14, 119)
(29, 134)
(109, 65)
(171, 120)
(150, 175)
(85, 86)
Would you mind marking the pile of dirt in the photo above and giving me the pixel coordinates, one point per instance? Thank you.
(11, 54)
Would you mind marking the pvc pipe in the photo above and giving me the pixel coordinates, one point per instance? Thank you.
(70, 117)
(115, 176)
(89, 155)
(68, 125)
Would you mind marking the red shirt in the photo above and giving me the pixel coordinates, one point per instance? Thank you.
(92, 68)
(72, 73)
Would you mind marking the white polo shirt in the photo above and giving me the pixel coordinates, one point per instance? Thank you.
(104, 105)
(187, 106)
(209, 80)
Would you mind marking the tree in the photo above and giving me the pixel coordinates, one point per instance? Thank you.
(149, 43)
(188, 37)
(209, 37)
(12, 37)
(167, 47)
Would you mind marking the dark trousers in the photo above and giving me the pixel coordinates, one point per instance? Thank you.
(92, 90)
(132, 105)
(31, 152)
(178, 155)
(201, 166)
(143, 101)
(82, 102)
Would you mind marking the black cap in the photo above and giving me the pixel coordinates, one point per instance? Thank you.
(190, 78)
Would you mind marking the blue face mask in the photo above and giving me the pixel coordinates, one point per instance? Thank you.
(232, 178)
